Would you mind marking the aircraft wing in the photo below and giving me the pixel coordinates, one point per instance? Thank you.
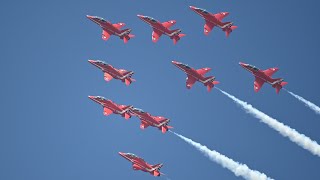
(158, 118)
(105, 35)
(144, 124)
(107, 77)
(270, 71)
(168, 24)
(190, 81)
(107, 111)
(156, 34)
(118, 25)
(203, 71)
(258, 83)
(136, 167)
(208, 26)
(221, 15)
(122, 70)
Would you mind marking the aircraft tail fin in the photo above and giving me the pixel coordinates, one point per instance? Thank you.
(126, 39)
(128, 73)
(156, 173)
(279, 86)
(157, 166)
(177, 38)
(165, 128)
(126, 113)
(156, 169)
(210, 82)
(228, 30)
(125, 35)
(128, 81)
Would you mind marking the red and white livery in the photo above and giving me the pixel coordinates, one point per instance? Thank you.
(140, 164)
(110, 72)
(262, 76)
(109, 29)
(110, 107)
(212, 20)
(194, 75)
(148, 120)
(162, 28)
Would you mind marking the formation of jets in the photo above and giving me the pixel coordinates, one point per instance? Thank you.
(193, 75)
(158, 28)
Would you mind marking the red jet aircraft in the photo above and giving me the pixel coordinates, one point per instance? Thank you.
(214, 20)
(196, 75)
(262, 76)
(162, 28)
(111, 72)
(149, 120)
(139, 164)
(110, 107)
(109, 29)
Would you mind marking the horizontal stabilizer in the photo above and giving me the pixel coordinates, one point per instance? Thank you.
(229, 30)
(211, 84)
(279, 86)
(215, 82)
(126, 39)
(127, 116)
(177, 38)
(128, 81)
(156, 173)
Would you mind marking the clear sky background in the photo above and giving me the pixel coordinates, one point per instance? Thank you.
(50, 129)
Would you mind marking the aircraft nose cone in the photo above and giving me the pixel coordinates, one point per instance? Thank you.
(121, 153)
(90, 17)
(225, 13)
(91, 61)
(176, 63)
(242, 64)
(91, 97)
(140, 16)
(192, 7)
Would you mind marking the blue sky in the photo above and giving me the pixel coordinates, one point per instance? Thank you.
(51, 130)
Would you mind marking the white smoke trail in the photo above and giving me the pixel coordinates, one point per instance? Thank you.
(309, 104)
(300, 139)
(237, 168)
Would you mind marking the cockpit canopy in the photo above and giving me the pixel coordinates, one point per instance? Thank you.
(132, 155)
(101, 62)
(186, 66)
(99, 18)
(202, 10)
(252, 67)
(140, 110)
(150, 19)
(100, 97)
